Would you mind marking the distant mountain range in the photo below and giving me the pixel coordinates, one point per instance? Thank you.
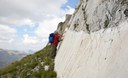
(9, 56)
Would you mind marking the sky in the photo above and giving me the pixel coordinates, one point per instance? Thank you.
(26, 24)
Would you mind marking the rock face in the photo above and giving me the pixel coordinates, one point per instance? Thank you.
(62, 26)
(96, 43)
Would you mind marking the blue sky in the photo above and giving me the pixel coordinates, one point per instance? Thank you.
(26, 29)
(25, 24)
(71, 3)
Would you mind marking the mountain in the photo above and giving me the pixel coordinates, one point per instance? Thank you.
(30, 51)
(9, 56)
(94, 45)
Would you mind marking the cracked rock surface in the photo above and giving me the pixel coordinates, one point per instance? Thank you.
(96, 43)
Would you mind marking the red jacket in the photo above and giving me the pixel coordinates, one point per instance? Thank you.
(56, 40)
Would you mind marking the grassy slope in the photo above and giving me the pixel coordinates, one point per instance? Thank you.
(31, 66)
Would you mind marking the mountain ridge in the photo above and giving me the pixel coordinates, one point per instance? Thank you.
(9, 56)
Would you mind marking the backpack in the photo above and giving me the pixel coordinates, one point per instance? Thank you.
(51, 37)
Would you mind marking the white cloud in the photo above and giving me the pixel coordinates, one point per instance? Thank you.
(11, 40)
(47, 26)
(50, 24)
(16, 22)
(7, 33)
(70, 10)
(22, 11)
(28, 40)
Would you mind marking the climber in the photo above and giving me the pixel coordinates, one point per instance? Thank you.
(54, 43)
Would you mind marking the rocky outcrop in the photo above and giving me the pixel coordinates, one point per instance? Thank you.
(63, 26)
(95, 45)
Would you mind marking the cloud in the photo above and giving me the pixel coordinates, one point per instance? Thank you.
(28, 40)
(22, 11)
(7, 33)
(69, 10)
(50, 24)
(11, 40)
(47, 26)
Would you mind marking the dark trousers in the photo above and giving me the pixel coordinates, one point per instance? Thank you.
(53, 52)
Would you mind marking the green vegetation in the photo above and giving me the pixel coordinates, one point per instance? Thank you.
(87, 27)
(106, 23)
(31, 66)
(75, 26)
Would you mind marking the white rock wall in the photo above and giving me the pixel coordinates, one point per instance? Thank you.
(99, 50)
(94, 13)
(102, 54)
